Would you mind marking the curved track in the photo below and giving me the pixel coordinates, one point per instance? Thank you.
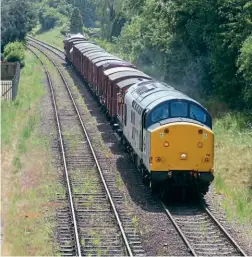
(97, 224)
(196, 225)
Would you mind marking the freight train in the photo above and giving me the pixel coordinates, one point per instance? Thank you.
(168, 134)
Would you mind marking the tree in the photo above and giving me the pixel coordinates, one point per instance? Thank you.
(192, 44)
(76, 22)
(18, 19)
(245, 68)
(14, 51)
(87, 10)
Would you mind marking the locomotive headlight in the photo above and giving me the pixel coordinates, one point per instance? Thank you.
(166, 144)
(183, 156)
(200, 144)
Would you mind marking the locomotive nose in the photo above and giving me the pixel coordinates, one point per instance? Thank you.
(182, 147)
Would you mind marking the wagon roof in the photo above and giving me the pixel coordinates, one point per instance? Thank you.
(109, 60)
(119, 69)
(84, 45)
(104, 57)
(95, 54)
(91, 51)
(131, 81)
(75, 37)
(125, 74)
(78, 42)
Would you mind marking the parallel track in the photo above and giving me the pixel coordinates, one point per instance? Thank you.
(201, 232)
(197, 226)
(91, 217)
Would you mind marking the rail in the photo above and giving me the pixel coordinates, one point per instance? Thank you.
(185, 224)
(76, 234)
(125, 239)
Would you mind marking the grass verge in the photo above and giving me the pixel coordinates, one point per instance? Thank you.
(52, 36)
(28, 178)
(233, 165)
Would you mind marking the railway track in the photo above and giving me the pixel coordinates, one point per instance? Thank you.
(198, 228)
(54, 49)
(98, 228)
(201, 232)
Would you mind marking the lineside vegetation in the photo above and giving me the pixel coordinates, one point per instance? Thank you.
(28, 179)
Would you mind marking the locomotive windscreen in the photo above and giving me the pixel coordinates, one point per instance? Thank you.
(178, 109)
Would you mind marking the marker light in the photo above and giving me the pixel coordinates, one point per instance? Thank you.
(158, 159)
(166, 144)
(206, 160)
(200, 131)
(166, 131)
(200, 144)
(183, 156)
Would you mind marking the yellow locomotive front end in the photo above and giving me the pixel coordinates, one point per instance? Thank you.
(181, 145)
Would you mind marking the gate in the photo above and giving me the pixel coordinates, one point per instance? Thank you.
(10, 73)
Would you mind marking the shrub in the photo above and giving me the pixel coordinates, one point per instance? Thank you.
(14, 52)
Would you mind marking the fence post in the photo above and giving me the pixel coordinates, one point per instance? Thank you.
(15, 81)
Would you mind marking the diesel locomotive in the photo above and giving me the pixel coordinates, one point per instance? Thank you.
(168, 134)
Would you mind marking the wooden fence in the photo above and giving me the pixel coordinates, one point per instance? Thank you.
(10, 73)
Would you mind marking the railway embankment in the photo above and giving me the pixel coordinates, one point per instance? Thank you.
(28, 176)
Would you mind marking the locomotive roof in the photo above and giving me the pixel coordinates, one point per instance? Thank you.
(131, 81)
(127, 74)
(151, 93)
(118, 69)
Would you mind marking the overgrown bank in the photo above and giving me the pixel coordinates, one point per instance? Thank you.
(28, 179)
(233, 165)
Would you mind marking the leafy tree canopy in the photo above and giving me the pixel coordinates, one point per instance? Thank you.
(76, 22)
(18, 19)
(14, 51)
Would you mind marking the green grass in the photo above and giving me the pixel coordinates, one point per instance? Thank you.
(233, 165)
(28, 212)
(29, 91)
(52, 36)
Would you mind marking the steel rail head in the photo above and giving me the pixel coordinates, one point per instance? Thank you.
(63, 156)
(47, 46)
(178, 229)
(224, 231)
(44, 43)
(95, 158)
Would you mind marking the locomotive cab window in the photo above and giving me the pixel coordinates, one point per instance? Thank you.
(178, 109)
(197, 113)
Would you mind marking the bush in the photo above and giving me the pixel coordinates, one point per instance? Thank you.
(15, 52)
